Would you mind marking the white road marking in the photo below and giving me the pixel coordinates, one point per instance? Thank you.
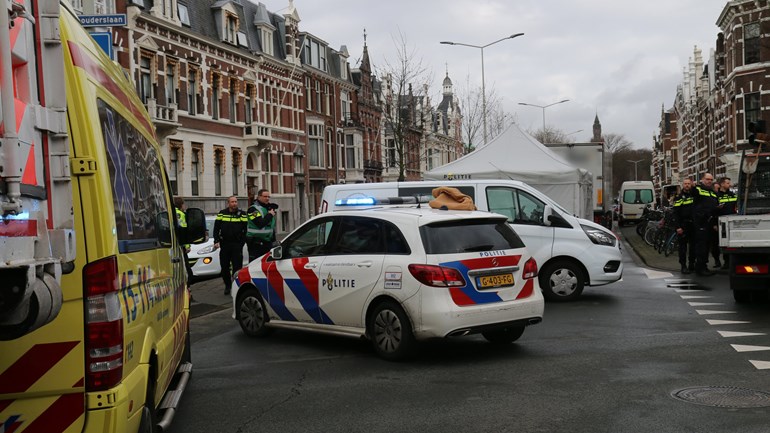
(688, 290)
(731, 334)
(725, 322)
(745, 348)
(694, 297)
(655, 275)
(703, 304)
(761, 365)
(704, 312)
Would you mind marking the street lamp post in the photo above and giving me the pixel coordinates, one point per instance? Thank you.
(543, 107)
(635, 165)
(483, 88)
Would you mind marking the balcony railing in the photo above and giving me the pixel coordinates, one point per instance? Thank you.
(258, 131)
(373, 164)
(165, 117)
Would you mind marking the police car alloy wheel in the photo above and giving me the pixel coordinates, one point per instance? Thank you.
(391, 332)
(252, 315)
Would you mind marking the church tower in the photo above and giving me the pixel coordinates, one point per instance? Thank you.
(597, 138)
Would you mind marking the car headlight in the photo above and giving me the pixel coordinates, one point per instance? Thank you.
(599, 236)
(207, 250)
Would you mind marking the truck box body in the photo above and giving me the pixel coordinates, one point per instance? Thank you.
(589, 156)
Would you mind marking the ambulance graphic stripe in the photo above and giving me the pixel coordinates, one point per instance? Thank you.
(28, 369)
(83, 60)
(60, 415)
(4, 404)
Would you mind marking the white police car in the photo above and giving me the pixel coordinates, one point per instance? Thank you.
(394, 275)
(204, 258)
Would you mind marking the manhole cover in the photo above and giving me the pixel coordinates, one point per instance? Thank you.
(723, 396)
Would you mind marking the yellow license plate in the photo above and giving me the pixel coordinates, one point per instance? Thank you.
(500, 280)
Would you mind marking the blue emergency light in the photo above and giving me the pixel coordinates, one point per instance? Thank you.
(361, 201)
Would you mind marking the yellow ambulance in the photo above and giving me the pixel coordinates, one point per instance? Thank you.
(94, 303)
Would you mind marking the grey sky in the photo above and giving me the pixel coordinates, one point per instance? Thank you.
(620, 58)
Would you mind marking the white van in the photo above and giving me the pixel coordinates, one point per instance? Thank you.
(635, 195)
(571, 252)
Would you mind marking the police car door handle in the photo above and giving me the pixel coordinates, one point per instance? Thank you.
(310, 265)
(176, 259)
(366, 264)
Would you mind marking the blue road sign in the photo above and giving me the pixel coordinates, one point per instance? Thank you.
(104, 39)
(103, 20)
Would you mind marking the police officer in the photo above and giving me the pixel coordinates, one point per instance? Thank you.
(181, 218)
(684, 228)
(704, 207)
(727, 206)
(260, 232)
(229, 237)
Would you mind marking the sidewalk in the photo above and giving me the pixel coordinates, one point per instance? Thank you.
(208, 296)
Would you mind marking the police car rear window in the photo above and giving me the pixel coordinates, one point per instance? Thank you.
(465, 236)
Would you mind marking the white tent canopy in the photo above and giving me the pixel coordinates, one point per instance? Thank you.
(516, 155)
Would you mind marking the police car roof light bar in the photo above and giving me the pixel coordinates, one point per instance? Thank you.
(371, 201)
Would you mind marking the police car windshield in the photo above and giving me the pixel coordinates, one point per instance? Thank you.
(468, 236)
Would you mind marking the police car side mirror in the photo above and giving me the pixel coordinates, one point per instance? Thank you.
(195, 232)
(547, 214)
(276, 253)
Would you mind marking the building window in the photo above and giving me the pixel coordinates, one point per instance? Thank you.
(751, 43)
(184, 16)
(233, 99)
(315, 145)
(173, 171)
(752, 107)
(232, 29)
(391, 148)
(267, 41)
(308, 100)
(345, 102)
(194, 171)
(248, 105)
(192, 91)
(318, 105)
(236, 172)
(215, 91)
(243, 41)
(327, 101)
(218, 156)
(315, 54)
(145, 78)
(350, 152)
(344, 68)
(171, 81)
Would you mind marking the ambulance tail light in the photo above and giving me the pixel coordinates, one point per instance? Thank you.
(530, 269)
(751, 269)
(437, 276)
(104, 325)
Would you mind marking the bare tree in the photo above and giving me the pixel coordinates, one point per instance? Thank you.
(550, 135)
(617, 143)
(473, 115)
(400, 114)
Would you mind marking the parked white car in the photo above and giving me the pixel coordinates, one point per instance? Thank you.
(204, 259)
(394, 276)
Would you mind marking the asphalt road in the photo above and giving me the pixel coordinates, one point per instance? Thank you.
(609, 362)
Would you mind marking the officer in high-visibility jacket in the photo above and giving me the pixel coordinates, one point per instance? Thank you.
(705, 205)
(260, 231)
(229, 237)
(727, 206)
(181, 218)
(684, 227)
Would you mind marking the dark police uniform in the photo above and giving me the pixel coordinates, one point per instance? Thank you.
(727, 206)
(230, 234)
(683, 220)
(705, 205)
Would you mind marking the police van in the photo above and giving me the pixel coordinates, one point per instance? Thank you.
(571, 252)
(94, 304)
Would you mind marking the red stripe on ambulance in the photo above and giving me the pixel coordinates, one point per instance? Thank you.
(60, 415)
(28, 369)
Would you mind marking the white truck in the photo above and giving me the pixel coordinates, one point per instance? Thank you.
(746, 236)
(590, 156)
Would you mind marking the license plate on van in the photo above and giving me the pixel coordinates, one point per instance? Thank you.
(494, 281)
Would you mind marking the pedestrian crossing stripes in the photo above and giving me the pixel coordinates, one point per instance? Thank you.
(746, 348)
(705, 312)
(704, 304)
(732, 334)
(726, 322)
(760, 365)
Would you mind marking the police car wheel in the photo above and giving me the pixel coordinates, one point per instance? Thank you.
(561, 281)
(391, 332)
(252, 315)
(504, 336)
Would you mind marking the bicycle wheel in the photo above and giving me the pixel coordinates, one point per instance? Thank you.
(649, 235)
(672, 244)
